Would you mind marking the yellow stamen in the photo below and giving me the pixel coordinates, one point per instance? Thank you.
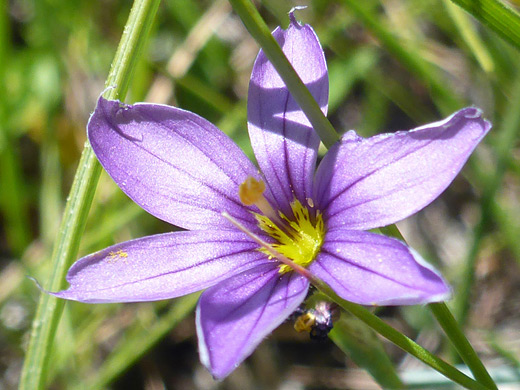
(251, 192)
(264, 246)
(301, 241)
(298, 237)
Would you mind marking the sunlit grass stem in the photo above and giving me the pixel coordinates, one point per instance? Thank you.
(261, 33)
(34, 372)
(402, 341)
(497, 15)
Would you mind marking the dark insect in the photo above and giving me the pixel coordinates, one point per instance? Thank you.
(317, 321)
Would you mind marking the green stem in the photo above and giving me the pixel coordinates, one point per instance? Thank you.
(447, 101)
(401, 340)
(261, 33)
(34, 372)
(452, 330)
(497, 15)
(461, 343)
(506, 136)
(468, 33)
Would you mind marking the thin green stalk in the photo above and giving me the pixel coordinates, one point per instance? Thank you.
(364, 315)
(453, 330)
(446, 101)
(461, 343)
(261, 33)
(35, 369)
(401, 340)
(469, 34)
(365, 348)
(498, 16)
(505, 139)
(256, 26)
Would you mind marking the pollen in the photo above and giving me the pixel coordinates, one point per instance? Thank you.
(251, 191)
(114, 256)
(305, 322)
(299, 238)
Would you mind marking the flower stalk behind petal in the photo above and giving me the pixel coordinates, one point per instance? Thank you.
(400, 339)
(79, 200)
(260, 32)
(452, 329)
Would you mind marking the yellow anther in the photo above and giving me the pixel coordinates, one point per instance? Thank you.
(298, 238)
(251, 191)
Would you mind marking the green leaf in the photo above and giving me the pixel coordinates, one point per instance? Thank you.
(362, 345)
(497, 16)
(35, 369)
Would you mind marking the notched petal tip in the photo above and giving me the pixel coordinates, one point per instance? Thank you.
(294, 22)
(457, 120)
(471, 112)
(476, 113)
(114, 115)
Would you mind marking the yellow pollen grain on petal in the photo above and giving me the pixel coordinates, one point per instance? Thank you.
(114, 256)
(251, 191)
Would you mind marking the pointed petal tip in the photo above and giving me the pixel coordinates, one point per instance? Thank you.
(63, 294)
(439, 290)
(372, 269)
(103, 102)
(470, 114)
(365, 183)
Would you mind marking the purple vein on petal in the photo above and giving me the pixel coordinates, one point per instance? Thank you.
(174, 124)
(370, 173)
(374, 198)
(208, 155)
(354, 264)
(204, 262)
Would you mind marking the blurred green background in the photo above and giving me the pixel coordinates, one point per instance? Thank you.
(393, 65)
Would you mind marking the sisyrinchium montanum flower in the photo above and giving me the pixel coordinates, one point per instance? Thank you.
(183, 170)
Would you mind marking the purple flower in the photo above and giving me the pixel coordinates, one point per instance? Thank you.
(182, 169)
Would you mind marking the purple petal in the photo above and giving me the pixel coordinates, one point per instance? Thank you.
(173, 163)
(371, 269)
(367, 183)
(282, 138)
(234, 316)
(160, 267)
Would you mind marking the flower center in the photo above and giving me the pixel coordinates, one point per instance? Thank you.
(299, 238)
